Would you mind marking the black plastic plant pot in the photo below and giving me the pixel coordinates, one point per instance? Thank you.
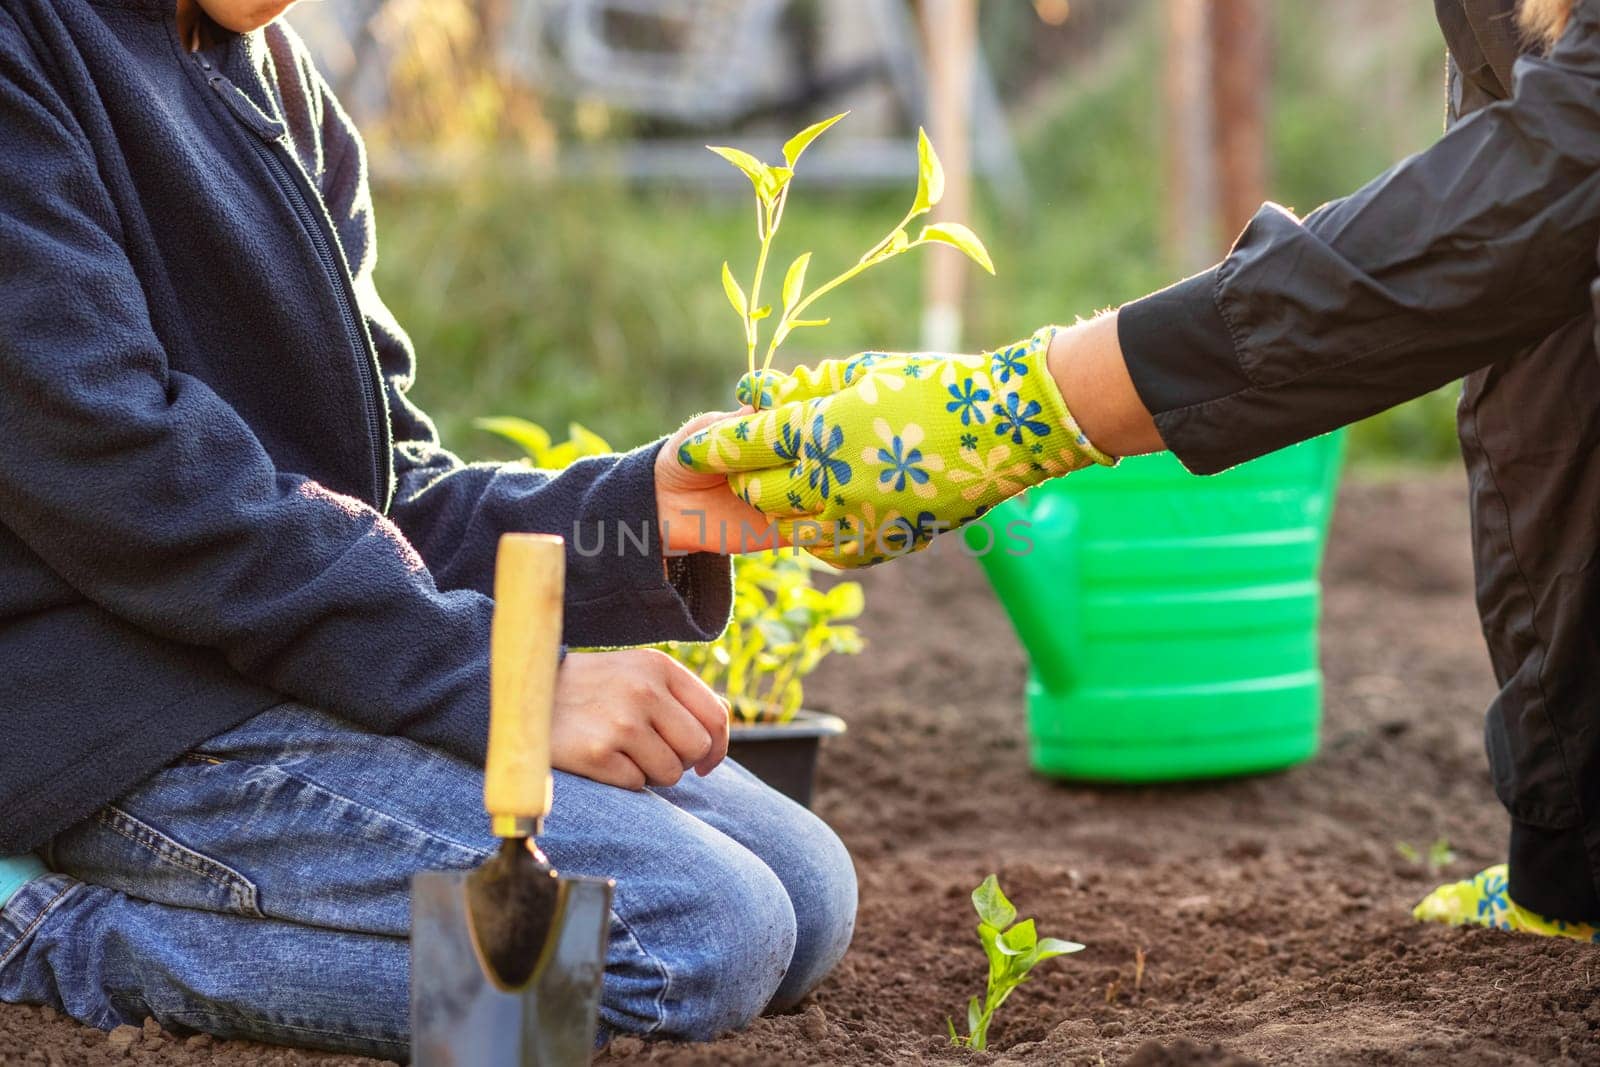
(784, 755)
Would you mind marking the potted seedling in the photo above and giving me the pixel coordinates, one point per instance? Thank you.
(783, 627)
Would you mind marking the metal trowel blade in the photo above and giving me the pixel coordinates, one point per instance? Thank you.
(462, 1015)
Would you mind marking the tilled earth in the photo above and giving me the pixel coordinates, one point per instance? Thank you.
(1271, 913)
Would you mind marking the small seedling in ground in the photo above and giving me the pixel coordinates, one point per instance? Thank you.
(1014, 948)
(772, 195)
(1438, 856)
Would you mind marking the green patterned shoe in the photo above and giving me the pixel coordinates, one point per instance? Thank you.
(1484, 900)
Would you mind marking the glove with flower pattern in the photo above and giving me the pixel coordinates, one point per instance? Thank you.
(863, 459)
(1485, 900)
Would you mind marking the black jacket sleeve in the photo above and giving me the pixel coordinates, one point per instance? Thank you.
(1479, 246)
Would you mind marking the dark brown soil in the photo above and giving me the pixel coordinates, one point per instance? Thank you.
(1272, 912)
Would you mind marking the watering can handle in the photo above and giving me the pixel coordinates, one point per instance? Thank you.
(1055, 668)
(1040, 598)
(524, 651)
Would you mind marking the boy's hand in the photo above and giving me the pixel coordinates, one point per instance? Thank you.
(698, 512)
(868, 458)
(634, 717)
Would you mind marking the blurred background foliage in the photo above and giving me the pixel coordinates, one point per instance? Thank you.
(595, 300)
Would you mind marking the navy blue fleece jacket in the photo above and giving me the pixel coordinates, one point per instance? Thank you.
(214, 492)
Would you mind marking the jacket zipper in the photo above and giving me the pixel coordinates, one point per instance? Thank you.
(269, 140)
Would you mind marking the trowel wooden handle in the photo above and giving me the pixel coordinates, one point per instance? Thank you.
(524, 649)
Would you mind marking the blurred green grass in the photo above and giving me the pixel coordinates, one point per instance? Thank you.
(599, 303)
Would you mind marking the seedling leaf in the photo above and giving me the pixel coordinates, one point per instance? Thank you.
(793, 695)
(785, 328)
(1438, 856)
(753, 168)
(795, 280)
(802, 140)
(846, 639)
(585, 441)
(761, 312)
(1050, 947)
(992, 906)
(529, 436)
(958, 236)
(735, 294)
(1021, 937)
(772, 181)
(930, 175)
(846, 601)
(974, 1014)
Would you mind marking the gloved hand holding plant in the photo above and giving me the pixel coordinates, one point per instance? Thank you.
(863, 459)
(871, 457)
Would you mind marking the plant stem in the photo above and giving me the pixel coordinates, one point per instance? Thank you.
(768, 219)
(980, 1033)
(755, 296)
(860, 266)
(770, 698)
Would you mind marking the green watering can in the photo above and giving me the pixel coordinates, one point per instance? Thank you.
(1171, 620)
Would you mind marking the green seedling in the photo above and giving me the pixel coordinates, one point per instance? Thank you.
(543, 451)
(1014, 948)
(1438, 856)
(783, 625)
(772, 185)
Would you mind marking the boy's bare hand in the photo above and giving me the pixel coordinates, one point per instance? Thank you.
(698, 512)
(633, 718)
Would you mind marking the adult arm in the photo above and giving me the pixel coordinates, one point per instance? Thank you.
(1482, 244)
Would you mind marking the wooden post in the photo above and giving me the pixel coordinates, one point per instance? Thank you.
(1239, 78)
(950, 30)
(1191, 217)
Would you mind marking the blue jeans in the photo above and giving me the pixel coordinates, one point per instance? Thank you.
(259, 888)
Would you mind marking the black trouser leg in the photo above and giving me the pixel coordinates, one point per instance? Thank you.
(1551, 873)
(1530, 432)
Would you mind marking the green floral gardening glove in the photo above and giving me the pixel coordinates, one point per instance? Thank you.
(868, 458)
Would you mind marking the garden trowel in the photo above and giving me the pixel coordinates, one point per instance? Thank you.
(506, 960)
